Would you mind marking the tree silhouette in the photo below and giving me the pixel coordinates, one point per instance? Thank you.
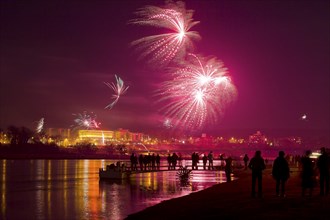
(19, 136)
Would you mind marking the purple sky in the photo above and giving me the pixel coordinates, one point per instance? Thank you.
(56, 56)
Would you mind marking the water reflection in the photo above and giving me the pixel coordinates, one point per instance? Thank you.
(70, 189)
(3, 188)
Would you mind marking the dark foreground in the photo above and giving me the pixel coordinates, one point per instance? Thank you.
(233, 201)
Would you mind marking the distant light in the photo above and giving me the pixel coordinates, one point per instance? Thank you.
(304, 117)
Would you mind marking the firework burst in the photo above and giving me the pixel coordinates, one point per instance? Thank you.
(119, 89)
(198, 93)
(163, 48)
(40, 125)
(86, 120)
(167, 123)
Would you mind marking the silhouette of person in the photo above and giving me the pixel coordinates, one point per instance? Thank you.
(210, 157)
(193, 160)
(145, 161)
(246, 160)
(153, 161)
(180, 159)
(149, 158)
(257, 165)
(221, 158)
(323, 164)
(228, 169)
(281, 173)
(174, 160)
(307, 174)
(158, 162)
(169, 161)
(141, 161)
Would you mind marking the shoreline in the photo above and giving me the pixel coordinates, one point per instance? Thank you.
(233, 201)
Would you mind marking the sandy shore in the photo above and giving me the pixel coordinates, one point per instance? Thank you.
(233, 201)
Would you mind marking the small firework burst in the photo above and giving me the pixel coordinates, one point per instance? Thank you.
(119, 89)
(86, 120)
(40, 125)
(167, 123)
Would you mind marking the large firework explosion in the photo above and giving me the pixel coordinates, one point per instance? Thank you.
(163, 48)
(198, 93)
(199, 89)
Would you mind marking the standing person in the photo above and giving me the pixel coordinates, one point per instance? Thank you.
(204, 158)
(307, 174)
(180, 160)
(323, 164)
(141, 161)
(257, 165)
(174, 160)
(149, 158)
(193, 160)
(281, 173)
(158, 162)
(145, 161)
(228, 168)
(246, 160)
(169, 161)
(221, 158)
(210, 157)
(153, 162)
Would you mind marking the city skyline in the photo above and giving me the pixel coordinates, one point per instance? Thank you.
(55, 58)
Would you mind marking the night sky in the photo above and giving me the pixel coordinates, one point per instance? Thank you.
(55, 56)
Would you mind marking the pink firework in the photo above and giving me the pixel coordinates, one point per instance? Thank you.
(163, 48)
(198, 93)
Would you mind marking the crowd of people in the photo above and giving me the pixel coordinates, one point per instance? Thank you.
(280, 169)
(281, 173)
(145, 162)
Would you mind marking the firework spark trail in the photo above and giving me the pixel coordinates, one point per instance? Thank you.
(163, 48)
(40, 125)
(86, 120)
(198, 93)
(119, 89)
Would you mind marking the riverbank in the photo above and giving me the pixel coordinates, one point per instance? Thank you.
(233, 201)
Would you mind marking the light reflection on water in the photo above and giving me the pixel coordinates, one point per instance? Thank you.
(70, 189)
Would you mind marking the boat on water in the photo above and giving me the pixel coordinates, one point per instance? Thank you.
(114, 172)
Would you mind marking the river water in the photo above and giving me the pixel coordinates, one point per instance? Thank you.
(71, 189)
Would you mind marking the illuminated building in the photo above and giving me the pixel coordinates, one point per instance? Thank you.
(104, 137)
(123, 135)
(97, 137)
(59, 132)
